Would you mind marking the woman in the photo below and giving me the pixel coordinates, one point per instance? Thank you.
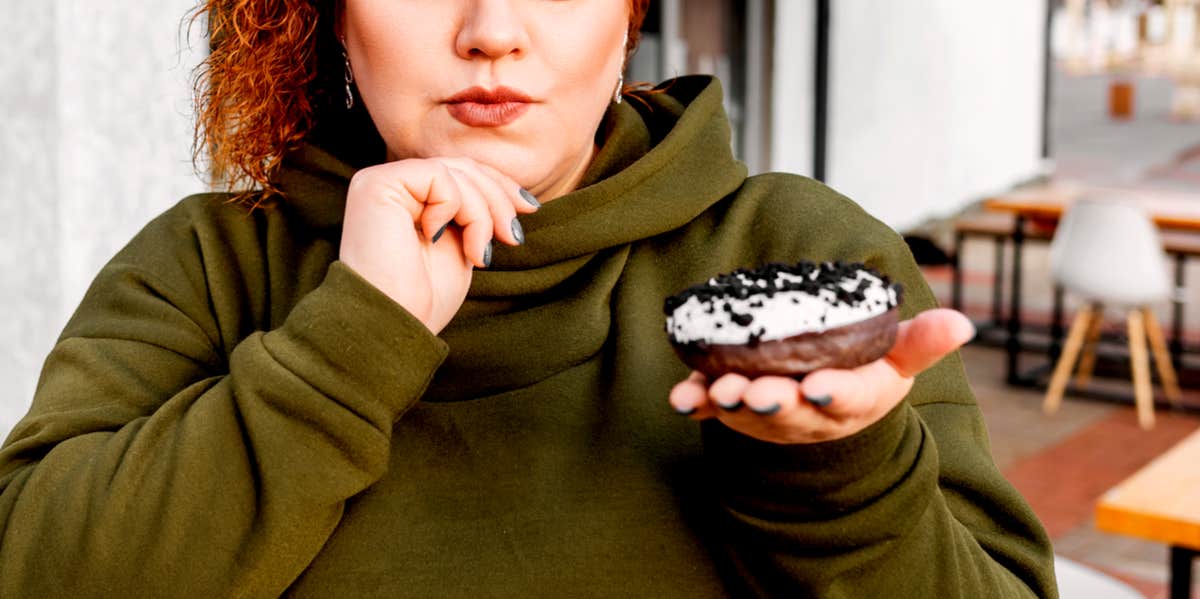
(352, 390)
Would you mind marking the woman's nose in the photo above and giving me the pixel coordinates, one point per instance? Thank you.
(490, 29)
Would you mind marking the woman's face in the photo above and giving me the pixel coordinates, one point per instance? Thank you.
(520, 85)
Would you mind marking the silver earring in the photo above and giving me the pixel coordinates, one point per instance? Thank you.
(621, 76)
(349, 77)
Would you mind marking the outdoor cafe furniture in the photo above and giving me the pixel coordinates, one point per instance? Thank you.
(1177, 215)
(1108, 252)
(1161, 502)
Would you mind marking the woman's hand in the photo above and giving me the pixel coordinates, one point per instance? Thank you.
(829, 404)
(395, 233)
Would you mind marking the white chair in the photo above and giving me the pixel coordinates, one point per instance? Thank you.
(1108, 251)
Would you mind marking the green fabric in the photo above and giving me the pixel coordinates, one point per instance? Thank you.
(234, 413)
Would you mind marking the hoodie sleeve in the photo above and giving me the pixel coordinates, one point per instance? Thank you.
(889, 512)
(912, 506)
(153, 463)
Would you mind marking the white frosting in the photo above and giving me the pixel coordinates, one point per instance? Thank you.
(778, 316)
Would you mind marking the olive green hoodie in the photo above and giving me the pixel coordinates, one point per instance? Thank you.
(232, 412)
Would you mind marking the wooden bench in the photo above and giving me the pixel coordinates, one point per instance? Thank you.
(1161, 502)
(999, 227)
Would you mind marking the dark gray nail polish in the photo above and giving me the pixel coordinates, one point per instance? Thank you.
(733, 407)
(819, 400)
(686, 412)
(528, 197)
(518, 232)
(438, 235)
(767, 411)
(487, 255)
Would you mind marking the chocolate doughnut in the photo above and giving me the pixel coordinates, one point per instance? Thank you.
(784, 319)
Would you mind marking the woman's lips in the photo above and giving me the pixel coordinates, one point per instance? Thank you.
(479, 107)
(476, 114)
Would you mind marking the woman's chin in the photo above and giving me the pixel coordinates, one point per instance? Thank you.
(518, 163)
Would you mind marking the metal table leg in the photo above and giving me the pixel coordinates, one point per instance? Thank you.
(1177, 315)
(1181, 571)
(998, 282)
(1056, 325)
(956, 282)
(1012, 345)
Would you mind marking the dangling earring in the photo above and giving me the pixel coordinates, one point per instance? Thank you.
(621, 75)
(349, 77)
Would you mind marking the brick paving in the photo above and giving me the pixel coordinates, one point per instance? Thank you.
(1061, 464)
(1063, 480)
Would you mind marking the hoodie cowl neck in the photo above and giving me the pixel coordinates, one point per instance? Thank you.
(664, 158)
(654, 172)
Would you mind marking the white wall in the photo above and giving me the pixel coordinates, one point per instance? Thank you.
(95, 142)
(931, 104)
(792, 86)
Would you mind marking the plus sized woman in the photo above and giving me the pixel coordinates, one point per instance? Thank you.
(423, 355)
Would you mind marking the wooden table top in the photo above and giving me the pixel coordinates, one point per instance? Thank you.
(1169, 209)
(1160, 502)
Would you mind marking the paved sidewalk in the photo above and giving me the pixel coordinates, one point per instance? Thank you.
(1062, 464)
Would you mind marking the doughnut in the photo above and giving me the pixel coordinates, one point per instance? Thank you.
(785, 320)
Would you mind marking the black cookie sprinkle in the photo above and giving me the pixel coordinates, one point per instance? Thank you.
(742, 320)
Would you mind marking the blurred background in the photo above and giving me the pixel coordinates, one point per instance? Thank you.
(970, 127)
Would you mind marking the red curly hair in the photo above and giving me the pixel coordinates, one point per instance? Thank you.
(273, 67)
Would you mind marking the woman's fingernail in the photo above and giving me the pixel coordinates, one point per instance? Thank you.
(528, 197)
(487, 255)
(767, 411)
(819, 400)
(518, 232)
(438, 235)
(685, 411)
(733, 407)
(969, 333)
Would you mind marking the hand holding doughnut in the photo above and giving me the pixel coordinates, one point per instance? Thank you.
(830, 403)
